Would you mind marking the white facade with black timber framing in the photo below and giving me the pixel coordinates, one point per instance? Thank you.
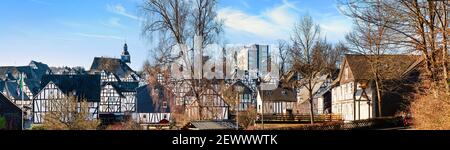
(153, 105)
(119, 83)
(58, 87)
(210, 106)
(110, 100)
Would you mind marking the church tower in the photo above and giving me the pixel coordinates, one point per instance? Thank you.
(125, 57)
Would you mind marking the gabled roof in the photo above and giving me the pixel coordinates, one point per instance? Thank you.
(13, 72)
(33, 74)
(34, 71)
(120, 93)
(393, 65)
(40, 70)
(113, 65)
(319, 88)
(82, 86)
(239, 83)
(6, 102)
(146, 103)
(125, 86)
(11, 88)
(68, 70)
(279, 94)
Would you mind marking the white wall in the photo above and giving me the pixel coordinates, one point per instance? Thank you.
(343, 102)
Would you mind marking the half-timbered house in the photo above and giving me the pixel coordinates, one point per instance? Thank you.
(119, 83)
(278, 101)
(153, 105)
(32, 74)
(246, 96)
(57, 87)
(208, 104)
(354, 93)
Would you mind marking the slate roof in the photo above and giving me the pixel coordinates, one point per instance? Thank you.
(113, 65)
(279, 94)
(246, 88)
(40, 70)
(146, 103)
(213, 125)
(6, 105)
(10, 88)
(125, 86)
(13, 72)
(33, 74)
(394, 65)
(68, 70)
(84, 86)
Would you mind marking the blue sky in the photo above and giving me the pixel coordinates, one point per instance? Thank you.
(73, 32)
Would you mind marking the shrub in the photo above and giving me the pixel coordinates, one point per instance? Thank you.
(37, 127)
(70, 115)
(431, 112)
(130, 124)
(2, 123)
(247, 118)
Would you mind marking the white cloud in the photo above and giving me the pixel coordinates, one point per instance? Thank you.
(291, 5)
(114, 22)
(120, 10)
(335, 27)
(282, 16)
(240, 21)
(274, 23)
(277, 23)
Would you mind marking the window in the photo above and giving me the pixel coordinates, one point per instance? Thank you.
(284, 93)
(145, 116)
(164, 104)
(160, 78)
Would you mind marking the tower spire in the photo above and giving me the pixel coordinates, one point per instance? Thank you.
(125, 57)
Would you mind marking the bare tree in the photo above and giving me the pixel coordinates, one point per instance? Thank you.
(421, 26)
(373, 40)
(69, 114)
(308, 56)
(283, 48)
(167, 17)
(179, 22)
(335, 56)
(204, 19)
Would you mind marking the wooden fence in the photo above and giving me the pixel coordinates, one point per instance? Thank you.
(375, 123)
(282, 118)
